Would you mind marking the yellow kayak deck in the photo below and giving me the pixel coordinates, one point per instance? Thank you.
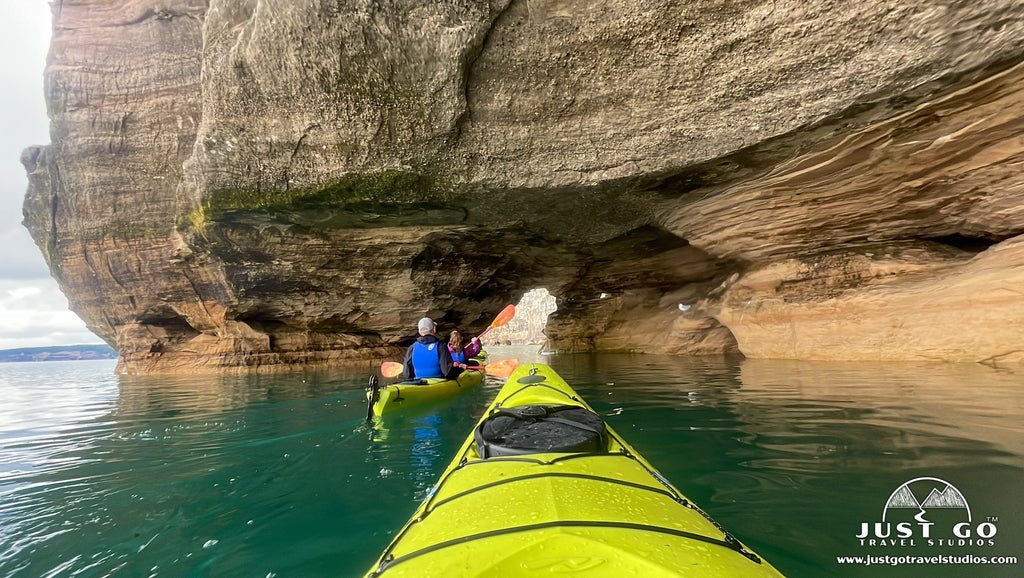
(604, 513)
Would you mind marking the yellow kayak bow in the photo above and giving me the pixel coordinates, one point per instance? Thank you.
(543, 486)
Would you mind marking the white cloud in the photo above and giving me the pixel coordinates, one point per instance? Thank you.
(24, 41)
(34, 313)
(20, 258)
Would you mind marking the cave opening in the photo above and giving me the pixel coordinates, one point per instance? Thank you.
(965, 243)
(527, 327)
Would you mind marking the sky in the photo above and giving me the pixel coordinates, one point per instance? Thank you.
(33, 311)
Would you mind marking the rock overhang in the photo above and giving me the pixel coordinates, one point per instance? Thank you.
(317, 197)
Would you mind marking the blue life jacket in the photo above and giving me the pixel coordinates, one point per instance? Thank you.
(425, 359)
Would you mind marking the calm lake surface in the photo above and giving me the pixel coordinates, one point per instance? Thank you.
(278, 475)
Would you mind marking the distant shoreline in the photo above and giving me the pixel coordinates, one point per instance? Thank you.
(58, 353)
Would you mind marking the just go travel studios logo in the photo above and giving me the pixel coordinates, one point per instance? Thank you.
(928, 512)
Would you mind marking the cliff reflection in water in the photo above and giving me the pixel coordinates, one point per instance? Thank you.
(929, 401)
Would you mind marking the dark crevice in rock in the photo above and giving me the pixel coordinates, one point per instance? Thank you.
(471, 54)
(264, 321)
(965, 243)
(176, 327)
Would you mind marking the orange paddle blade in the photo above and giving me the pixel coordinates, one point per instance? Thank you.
(502, 368)
(505, 316)
(391, 369)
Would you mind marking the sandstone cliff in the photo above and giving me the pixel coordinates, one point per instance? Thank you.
(257, 182)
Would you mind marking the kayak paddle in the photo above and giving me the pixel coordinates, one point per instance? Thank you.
(373, 397)
(391, 369)
(501, 368)
(504, 317)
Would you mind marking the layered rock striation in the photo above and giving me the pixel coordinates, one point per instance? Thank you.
(239, 183)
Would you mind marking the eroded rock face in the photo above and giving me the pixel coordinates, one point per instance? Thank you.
(254, 183)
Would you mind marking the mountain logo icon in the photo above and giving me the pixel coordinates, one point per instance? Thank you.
(924, 494)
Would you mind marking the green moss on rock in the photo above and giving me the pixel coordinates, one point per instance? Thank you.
(390, 186)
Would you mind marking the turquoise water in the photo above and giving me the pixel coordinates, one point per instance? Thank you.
(280, 476)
